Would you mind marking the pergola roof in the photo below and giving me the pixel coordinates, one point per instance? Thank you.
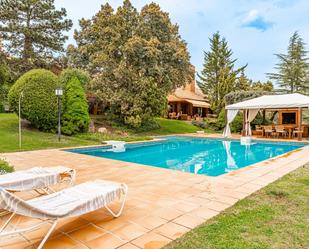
(294, 100)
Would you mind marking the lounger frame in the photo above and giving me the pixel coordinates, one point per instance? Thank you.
(54, 222)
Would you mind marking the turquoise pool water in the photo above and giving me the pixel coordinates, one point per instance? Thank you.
(207, 156)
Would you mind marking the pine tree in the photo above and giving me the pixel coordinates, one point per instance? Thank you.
(137, 59)
(75, 117)
(293, 68)
(242, 83)
(32, 30)
(218, 76)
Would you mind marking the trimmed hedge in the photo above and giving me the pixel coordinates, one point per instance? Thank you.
(76, 117)
(39, 102)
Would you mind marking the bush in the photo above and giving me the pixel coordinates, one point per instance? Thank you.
(39, 102)
(76, 117)
(5, 167)
(69, 73)
(200, 124)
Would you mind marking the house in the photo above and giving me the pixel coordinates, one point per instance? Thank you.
(187, 103)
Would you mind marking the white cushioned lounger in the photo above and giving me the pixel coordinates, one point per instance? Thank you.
(36, 178)
(70, 202)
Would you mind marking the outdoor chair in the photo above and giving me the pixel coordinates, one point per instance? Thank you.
(280, 130)
(37, 178)
(71, 202)
(268, 130)
(297, 132)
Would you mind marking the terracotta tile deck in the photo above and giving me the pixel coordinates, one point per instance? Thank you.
(162, 204)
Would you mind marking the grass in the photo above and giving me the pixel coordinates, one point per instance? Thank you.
(33, 139)
(274, 217)
(168, 126)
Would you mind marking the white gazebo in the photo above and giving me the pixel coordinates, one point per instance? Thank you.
(251, 108)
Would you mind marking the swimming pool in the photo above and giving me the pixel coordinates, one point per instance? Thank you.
(206, 156)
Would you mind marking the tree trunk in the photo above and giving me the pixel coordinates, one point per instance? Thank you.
(27, 48)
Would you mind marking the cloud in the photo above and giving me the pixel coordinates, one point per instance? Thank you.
(254, 19)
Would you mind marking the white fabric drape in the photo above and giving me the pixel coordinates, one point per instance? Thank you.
(231, 114)
(250, 115)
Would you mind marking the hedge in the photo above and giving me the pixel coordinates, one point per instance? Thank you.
(39, 102)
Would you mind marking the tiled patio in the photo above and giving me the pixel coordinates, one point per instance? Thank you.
(162, 204)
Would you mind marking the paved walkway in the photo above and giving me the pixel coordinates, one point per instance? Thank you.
(162, 204)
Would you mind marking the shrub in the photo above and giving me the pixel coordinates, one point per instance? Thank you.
(5, 167)
(76, 117)
(39, 102)
(200, 124)
(69, 73)
(219, 123)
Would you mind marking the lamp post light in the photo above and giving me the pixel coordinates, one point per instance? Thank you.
(59, 93)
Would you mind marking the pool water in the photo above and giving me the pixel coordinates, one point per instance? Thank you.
(206, 156)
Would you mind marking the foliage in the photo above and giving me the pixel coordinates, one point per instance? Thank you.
(262, 86)
(5, 167)
(32, 30)
(137, 58)
(69, 73)
(273, 217)
(218, 76)
(4, 84)
(242, 83)
(39, 102)
(76, 117)
(293, 68)
(238, 96)
(200, 124)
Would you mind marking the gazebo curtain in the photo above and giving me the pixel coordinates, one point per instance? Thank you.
(250, 115)
(231, 114)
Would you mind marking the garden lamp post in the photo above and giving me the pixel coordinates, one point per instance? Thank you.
(59, 93)
(21, 95)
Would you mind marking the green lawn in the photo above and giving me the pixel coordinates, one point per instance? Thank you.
(169, 126)
(33, 139)
(275, 217)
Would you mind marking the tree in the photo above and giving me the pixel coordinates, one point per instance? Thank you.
(136, 58)
(32, 30)
(75, 117)
(218, 76)
(262, 86)
(39, 102)
(242, 83)
(293, 68)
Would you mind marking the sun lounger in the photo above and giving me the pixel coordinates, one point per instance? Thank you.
(37, 178)
(73, 201)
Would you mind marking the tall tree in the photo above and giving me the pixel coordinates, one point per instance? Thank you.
(218, 76)
(293, 68)
(242, 83)
(262, 86)
(137, 58)
(33, 29)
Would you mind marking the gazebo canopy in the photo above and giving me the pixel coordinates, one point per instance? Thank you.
(294, 100)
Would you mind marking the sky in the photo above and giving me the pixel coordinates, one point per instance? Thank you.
(255, 29)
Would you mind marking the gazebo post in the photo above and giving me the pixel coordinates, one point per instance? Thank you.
(299, 123)
(244, 126)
